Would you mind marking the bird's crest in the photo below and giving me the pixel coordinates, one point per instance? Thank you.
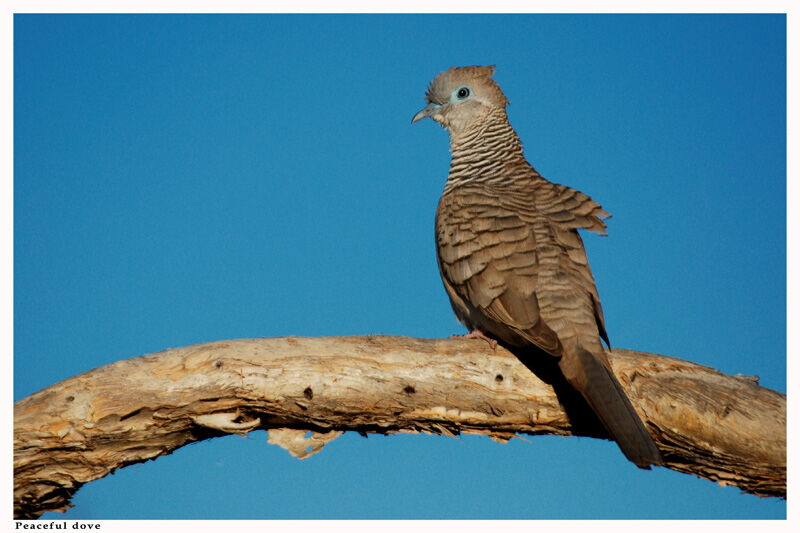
(445, 82)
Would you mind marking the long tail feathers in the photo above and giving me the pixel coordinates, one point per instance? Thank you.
(608, 400)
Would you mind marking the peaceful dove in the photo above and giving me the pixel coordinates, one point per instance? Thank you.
(510, 256)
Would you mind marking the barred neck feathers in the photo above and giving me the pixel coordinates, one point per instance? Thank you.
(484, 153)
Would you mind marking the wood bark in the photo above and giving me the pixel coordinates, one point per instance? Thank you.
(723, 428)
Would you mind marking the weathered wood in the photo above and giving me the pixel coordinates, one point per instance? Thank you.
(723, 428)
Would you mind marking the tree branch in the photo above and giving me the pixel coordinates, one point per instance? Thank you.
(722, 428)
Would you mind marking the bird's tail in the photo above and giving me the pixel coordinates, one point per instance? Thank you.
(608, 400)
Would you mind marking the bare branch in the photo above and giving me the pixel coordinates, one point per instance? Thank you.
(723, 428)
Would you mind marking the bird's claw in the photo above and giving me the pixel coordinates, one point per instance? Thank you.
(477, 334)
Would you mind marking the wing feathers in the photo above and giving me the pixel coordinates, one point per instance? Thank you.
(492, 248)
(563, 206)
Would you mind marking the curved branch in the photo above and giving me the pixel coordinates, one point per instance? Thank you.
(722, 428)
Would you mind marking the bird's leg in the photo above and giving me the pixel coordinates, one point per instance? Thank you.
(477, 334)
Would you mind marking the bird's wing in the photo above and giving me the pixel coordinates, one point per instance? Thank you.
(489, 256)
(566, 210)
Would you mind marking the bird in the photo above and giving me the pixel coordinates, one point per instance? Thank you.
(510, 256)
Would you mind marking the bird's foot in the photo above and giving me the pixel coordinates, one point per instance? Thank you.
(477, 334)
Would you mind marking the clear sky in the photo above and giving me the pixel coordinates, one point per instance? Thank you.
(183, 179)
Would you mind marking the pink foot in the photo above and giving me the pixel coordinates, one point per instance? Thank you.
(477, 334)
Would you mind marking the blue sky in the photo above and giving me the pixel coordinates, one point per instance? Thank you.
(183, 179)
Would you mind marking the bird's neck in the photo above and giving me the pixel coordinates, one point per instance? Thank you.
(485, 152)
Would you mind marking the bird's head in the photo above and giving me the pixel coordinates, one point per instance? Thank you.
(460, 97)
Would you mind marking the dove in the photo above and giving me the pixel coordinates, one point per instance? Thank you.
(510, 256)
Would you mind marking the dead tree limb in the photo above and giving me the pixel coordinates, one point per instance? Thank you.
(722, 428)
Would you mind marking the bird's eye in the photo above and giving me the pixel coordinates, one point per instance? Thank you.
(462, 93)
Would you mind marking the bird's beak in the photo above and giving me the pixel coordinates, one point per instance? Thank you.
(426, 112)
